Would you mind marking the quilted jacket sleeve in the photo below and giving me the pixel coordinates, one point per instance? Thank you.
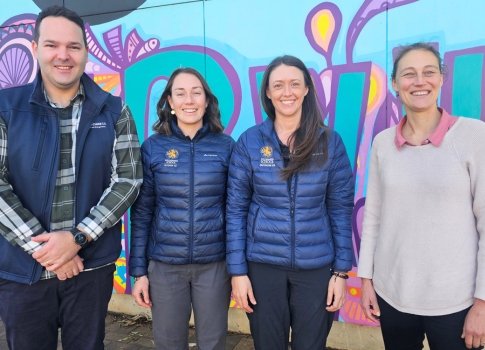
(239, 194)
(340, 203)
(141, 217)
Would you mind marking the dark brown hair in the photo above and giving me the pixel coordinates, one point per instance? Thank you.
(306, 139)
(59, 11)
(212, 115)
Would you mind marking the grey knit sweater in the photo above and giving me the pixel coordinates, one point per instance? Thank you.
(423, 239)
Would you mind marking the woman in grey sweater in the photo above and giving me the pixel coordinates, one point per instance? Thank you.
(422, 259)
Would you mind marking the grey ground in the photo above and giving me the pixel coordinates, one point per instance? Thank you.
(131, 333)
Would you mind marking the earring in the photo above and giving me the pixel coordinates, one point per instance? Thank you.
(397, 93)
(172, 112)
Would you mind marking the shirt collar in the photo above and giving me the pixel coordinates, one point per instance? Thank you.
(436, 138)
(79, 97)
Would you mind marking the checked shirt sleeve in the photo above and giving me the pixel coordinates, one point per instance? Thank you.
(17, 224)
(126, 179)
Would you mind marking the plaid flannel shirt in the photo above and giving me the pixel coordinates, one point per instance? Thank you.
(18, 225)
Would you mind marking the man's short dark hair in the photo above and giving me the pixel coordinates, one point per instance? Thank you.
(59, 11)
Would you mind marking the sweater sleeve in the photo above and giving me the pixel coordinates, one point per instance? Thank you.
(372, 217)
(476, 167)
(239, 194)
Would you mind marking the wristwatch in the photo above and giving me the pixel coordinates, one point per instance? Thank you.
(80, 238)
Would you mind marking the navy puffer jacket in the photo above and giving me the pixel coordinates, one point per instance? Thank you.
(178, 217)
(305, 225)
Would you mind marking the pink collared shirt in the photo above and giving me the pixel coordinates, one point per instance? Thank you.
(446, 122)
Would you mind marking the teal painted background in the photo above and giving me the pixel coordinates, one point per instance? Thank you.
(347, 44)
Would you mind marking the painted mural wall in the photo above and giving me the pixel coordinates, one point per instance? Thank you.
(347, 44)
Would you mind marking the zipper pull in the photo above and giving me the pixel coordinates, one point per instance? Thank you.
(292, 208)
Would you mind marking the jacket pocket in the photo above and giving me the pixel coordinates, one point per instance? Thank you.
(40, 145)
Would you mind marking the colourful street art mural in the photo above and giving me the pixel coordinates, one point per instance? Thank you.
(348, 46)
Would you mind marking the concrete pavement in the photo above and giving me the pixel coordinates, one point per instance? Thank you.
(126, 332)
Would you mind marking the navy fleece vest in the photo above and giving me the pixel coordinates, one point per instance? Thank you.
(33, 156)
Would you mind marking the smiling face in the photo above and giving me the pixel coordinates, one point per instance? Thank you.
(189, 101)
(62, 55)
(418, 81)
(287, 90)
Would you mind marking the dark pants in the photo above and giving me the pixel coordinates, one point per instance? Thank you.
(403, 331)
(32, 314)
(289, 298)
(175, 290)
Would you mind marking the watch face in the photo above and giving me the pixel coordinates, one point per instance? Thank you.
(80, 238)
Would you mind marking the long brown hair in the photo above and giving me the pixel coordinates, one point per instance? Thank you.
(212, 115)
(306, 139)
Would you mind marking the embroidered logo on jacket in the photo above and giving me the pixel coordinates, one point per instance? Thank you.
(266, 153)
(172, 154)
(171, 158)
(98, 125)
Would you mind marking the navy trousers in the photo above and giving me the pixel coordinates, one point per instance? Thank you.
(287, 298)
(33, 314)
(403, 331)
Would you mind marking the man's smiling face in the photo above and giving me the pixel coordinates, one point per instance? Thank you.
(61, 53)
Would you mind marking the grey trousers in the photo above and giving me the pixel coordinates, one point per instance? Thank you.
(175, 289)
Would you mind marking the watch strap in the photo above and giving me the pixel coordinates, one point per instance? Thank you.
(76, 233)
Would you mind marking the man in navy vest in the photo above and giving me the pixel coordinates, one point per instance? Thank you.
(69, 170)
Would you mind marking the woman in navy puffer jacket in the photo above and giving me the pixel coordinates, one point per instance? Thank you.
(177, 223)
(289, 206)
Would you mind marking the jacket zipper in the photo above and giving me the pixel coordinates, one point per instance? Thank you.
(48, 210)
(292, 215)
(191, 204)
(40, 146)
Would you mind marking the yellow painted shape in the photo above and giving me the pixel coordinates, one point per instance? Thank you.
(372, 90)
(118, 280)
(323, 25)
(233, 304)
